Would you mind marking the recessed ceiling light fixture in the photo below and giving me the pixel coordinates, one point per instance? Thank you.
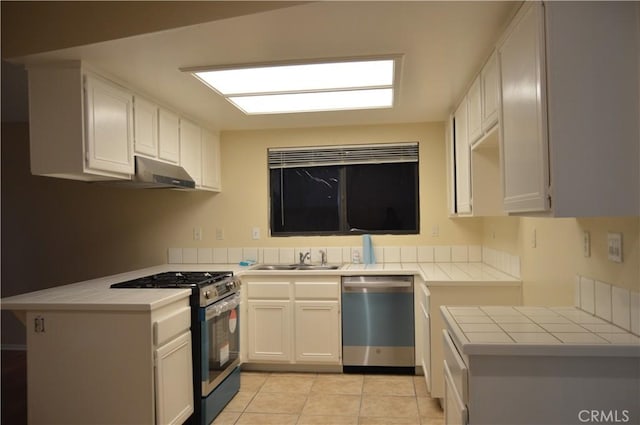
(305, 87)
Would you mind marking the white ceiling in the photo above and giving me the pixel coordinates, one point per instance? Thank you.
(443, 45)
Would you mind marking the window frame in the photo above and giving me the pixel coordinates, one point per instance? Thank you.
(343, 229)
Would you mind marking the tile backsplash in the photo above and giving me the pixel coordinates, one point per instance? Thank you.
(502, 261)
(345, 254)
(619, 306)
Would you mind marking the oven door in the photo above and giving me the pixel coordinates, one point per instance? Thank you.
(220, 342)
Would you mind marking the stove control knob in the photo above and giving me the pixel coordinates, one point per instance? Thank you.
(207, 294)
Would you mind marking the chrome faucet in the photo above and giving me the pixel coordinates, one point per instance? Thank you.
(304, 256)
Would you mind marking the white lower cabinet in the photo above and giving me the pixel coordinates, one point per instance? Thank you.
(292, 320)
(269, 336)
(455, 384)
(174, 389)
(116, 367)
(425, 329)
(459, 294)
(316, 338)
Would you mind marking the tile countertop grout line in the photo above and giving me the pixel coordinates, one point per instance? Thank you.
(567, 344)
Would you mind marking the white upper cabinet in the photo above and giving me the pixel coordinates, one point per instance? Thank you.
(168, 136)
(474, 111)
(109, 126)
(191, 150)
(157, 132)
(200, 155)
(570, 114)
(146, 127)
(84, 126)
(524, 148)
(80, 125)
(490, 86)
(461, 161)
(211, 161)
(476, 151)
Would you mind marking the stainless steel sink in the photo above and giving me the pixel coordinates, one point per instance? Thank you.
(273, 267)
(317, 267)
(296, 267)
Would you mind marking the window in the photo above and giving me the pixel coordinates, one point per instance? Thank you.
(344, 190)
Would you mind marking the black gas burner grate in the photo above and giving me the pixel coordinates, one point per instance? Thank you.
(175, 280)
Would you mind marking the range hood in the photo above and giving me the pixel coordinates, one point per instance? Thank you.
(152, 174)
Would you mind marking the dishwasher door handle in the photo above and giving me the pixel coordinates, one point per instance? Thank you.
(377, 287)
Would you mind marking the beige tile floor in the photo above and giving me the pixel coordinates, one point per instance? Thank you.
(330, 399)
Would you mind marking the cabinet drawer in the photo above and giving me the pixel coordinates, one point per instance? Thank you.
(455, 411)
(171, 326)
(455, 367)
(268, 290)
(316, 290)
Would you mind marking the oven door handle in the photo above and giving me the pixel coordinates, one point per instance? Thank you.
(222, 307)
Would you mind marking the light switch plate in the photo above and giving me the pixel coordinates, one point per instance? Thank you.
(614, 247)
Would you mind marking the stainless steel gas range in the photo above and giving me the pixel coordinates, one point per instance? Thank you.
(215, 332)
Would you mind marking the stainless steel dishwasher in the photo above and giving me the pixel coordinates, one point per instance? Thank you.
(378, 323)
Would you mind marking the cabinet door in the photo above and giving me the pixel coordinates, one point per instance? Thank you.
(174, 381)
(269, 330)
(191, 150)
(145, 116)
(109, 127)
(490, 82)
(210, 160)
(524, 125)
(474, 111)
(426, 346)
(455, 412)
(317, 333)
(168, 136)
(461, 161)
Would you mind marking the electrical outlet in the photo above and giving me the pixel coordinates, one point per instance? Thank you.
(614, 247)
(435, 230)
(255, 233)
(197, 233)
(219, 234)
(586, 244)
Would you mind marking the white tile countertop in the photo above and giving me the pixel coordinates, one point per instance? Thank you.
(528, 330)
(96, 293)
(447, 274)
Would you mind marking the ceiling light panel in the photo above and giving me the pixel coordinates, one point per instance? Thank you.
(305, 77)
(310, 87)
(314, 102)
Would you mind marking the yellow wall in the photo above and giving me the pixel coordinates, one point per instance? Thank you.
(549, 269)
(57, 231)
(243, 203)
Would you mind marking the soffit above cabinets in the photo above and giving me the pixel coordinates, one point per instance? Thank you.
(443, 45)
